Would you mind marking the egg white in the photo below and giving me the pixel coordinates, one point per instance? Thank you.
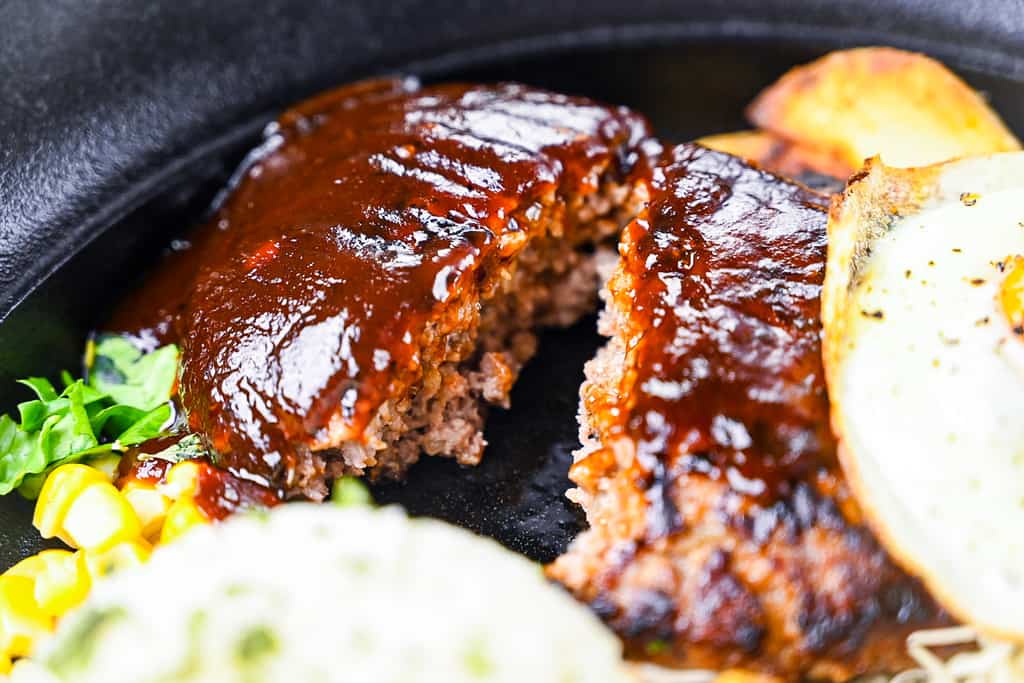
(926, 375)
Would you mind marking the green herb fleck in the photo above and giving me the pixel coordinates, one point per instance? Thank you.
(362, 640)
(350, 491)
(76, 649)
(255, 643)
(360, 566)
(261, 515)
(475, 659)
(236, 590)
(188, 447)
(656, 647)
(193, 662)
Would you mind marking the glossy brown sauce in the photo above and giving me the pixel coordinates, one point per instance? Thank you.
(726, 267)
(136, 464)
(722, 532)
(218, 492)
(367, 210)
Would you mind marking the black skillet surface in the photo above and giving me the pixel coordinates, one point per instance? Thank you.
(120, 121)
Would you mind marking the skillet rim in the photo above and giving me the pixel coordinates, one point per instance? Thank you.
(54, 243)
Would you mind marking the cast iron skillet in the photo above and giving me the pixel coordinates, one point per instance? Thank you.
(119, 122)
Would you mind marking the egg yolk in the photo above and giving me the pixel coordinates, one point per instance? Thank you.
(1011, 293)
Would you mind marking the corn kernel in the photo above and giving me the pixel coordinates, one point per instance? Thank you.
(150, 507)
(58, 493)
(183, 515)
(58, 583)
(1011, 292)
(100, 518)
(22, 622)
(107, 464)
(181, 480)
(63, 585)
(5, 664)
(30, 568)
(122, 556)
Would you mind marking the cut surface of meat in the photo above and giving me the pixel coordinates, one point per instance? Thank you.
(376, 271)
(722, 533)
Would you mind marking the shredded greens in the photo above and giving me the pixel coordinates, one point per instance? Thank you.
(124, 400)
(129, 376)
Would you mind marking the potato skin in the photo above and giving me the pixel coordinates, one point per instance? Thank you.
(815, 167)
(904, 106)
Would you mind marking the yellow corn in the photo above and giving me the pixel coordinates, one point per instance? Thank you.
(78, 504)
(99, 518)
(150, 507)
(107, 464)
(61, 489)
(61, 581)
(121, 556)
(183, 515)
(181, 480)
(31, 567)
(22, 622)
(65, 583)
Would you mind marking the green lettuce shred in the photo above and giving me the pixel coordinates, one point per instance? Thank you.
(124, 400)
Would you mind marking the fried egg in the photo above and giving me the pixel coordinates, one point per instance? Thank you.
(923, 311)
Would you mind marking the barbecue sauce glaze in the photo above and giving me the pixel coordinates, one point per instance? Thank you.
(299, 306)
(721, 277)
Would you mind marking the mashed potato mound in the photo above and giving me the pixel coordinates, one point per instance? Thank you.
(318, 593)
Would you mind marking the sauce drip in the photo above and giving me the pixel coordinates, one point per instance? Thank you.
(218, 492)
(366, 210)
(136, 465)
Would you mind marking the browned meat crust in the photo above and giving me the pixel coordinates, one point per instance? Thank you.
(375, 274)
(721, 531)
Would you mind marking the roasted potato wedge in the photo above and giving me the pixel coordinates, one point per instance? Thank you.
(905, 107)
(780, 156)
